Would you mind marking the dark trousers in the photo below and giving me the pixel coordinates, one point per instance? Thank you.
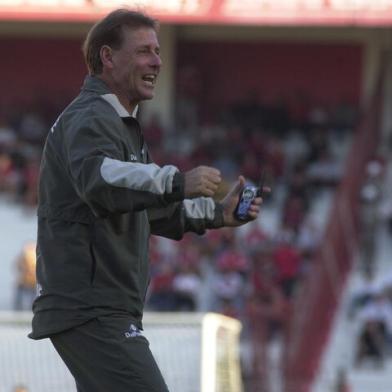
(109, 354)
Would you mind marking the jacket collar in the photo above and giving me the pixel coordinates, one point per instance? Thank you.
(92, 83)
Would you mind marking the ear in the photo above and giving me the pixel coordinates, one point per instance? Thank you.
(106, 55)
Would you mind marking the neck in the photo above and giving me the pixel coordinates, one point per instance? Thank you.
(119, 92)
(125, 102)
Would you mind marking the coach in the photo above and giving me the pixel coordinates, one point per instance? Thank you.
(100, 198)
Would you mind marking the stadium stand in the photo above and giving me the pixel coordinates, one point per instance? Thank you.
(282, 276)
(334, 259)
(359, 347)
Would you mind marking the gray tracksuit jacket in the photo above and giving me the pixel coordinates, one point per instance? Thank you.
(100, 198)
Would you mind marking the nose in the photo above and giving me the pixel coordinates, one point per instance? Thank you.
(156, 60)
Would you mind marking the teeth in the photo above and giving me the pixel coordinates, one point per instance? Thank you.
(149, 78)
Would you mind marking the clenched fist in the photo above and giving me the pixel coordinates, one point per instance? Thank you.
(202, 181)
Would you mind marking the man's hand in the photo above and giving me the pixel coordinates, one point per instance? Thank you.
(201, 181)
(231, 200)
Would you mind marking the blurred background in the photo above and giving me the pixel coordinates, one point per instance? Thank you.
(299, 88)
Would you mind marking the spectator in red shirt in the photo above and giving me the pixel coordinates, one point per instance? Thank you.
(287, 260)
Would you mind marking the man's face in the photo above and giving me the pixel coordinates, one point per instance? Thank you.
(136, 64)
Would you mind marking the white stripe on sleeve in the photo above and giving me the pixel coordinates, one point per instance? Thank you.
(138, 176)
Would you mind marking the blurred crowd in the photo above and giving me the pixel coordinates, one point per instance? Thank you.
(372, 306)
(246, 273)
(371, 303)
(22, 135)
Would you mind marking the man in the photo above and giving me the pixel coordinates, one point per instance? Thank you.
(100, 197)
(26, 281)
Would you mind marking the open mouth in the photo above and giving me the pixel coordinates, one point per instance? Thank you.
(150, 79)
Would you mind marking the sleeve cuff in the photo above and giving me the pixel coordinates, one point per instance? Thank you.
(218, 221)
(177, 193)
